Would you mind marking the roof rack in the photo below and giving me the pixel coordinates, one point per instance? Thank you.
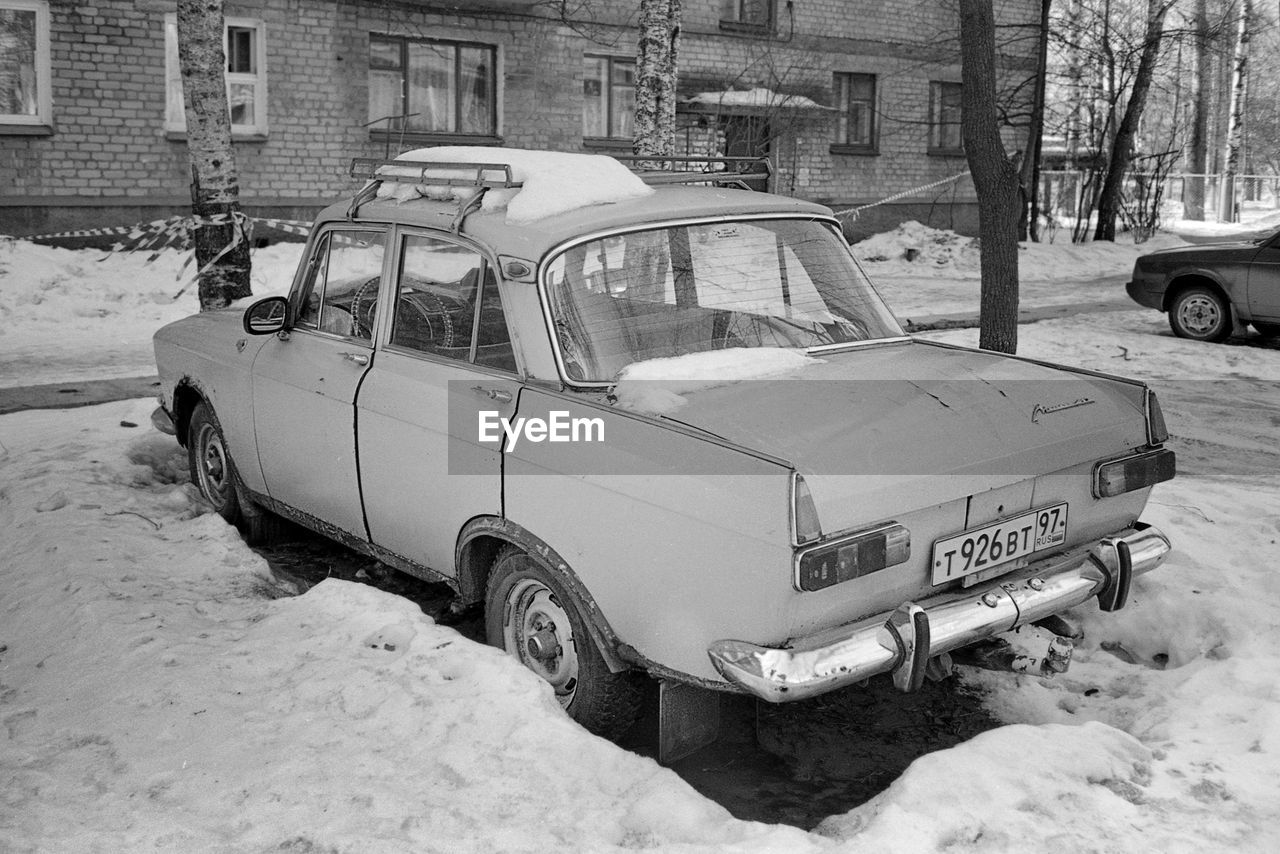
(483, 175)
(692, 169)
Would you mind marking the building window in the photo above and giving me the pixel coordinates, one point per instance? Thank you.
(944, 118)
(427, 86)
(746, 14)
(244, 45)
(856, 121)
(608, 97)
(25, 100)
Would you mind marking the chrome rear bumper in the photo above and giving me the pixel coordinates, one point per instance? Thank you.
(162, 422)
(902, 642)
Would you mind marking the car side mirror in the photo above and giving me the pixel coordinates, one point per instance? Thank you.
(267, 316)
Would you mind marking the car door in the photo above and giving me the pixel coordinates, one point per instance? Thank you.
(305, 381)
(1264, 281)
(446, 358)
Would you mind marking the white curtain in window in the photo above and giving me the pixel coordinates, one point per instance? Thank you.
(431, 91)
(18, 62)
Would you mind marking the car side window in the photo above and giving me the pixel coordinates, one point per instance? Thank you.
(340, 293)
(442, 286)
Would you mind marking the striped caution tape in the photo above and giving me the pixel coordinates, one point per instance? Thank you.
(169, 232)
(896, 196)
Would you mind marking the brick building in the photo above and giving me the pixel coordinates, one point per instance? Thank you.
(852, 100)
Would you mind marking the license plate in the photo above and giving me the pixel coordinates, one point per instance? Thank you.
(1003, 542)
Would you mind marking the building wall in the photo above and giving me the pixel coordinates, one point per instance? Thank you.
(110, 161)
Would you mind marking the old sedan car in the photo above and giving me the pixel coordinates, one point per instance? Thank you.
(660, 431)
(1213, 289)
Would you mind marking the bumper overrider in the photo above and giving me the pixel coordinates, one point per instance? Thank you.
(901, 642)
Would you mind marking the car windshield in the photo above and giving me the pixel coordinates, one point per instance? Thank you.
(662, 292)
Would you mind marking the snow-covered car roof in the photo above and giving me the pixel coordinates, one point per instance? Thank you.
(533, 239)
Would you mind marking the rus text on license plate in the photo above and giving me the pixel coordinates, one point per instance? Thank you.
(982, 548)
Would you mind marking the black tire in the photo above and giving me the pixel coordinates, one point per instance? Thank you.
(526, 612)
(214, 474)
(1268, 330)
(1200, 314)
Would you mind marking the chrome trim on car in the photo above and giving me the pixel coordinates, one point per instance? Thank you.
(847, 654)
(162, 422)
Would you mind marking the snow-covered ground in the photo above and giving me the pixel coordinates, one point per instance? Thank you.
(160, 691)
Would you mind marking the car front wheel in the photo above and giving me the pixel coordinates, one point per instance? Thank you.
(1200, 314)
(214, 474)
(529, 614)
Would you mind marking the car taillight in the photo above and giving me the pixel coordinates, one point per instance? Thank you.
(854, 557)
(1136, 472)
(805, 527)
(1157, 432)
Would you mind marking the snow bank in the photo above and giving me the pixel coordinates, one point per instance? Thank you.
(916, 250)
(657, 386)
(554, 182)
(157, 695)
(73, 315)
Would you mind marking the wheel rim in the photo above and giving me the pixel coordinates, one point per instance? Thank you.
(1199, 315)
(536, 629)
(212, 465)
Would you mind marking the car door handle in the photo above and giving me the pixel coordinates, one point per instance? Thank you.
(358, 358)
(498, 394)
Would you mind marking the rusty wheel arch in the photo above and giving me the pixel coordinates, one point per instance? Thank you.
(479, 543)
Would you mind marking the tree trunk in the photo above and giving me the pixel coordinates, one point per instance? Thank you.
(1122, 146)
(995, 178)
(655, 124)
(222, 250)
(1029, 224)
(1239, 85)
(1198, 159)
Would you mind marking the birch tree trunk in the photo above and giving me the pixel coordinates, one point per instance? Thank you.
(1198, 156)
(655, 124)
(995, 178)
(1029, 221)
(222, 250)
(1235, 122)
(1122, 145)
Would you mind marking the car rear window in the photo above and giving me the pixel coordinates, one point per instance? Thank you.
(689, 288)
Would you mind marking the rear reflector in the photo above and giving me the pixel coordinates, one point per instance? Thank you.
(845, 560)
(1138, 472)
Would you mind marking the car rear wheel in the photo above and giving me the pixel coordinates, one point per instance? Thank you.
(215, 475)
(529, 615)
(1200, 314)
(1270, 330)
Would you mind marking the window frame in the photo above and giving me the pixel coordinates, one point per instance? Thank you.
(488, 271)
(42, 121)
(738, 20)
(318, 251)
(938, 90)
(609, 139)
(842, 85)
(493, 134)
(175, 126)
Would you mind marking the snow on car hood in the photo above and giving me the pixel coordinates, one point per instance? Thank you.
(912, 425)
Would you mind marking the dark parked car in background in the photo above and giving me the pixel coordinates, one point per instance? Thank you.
(1207, 290)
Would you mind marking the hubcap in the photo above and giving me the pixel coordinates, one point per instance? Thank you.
(215, 481)
(1199, 315)
(536, 629)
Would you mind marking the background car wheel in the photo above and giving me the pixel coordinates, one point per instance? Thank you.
(528, 614)
(1200, 314)
(213, 472)
(1270, 330)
